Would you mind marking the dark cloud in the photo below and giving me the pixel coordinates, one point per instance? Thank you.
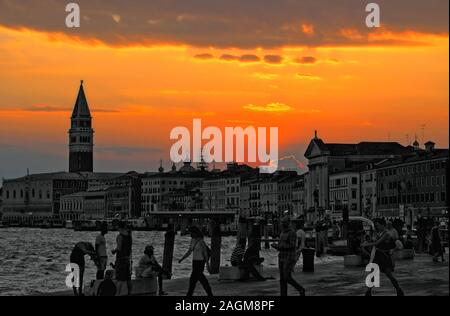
(273, 59)
(306, 60)
(44, 109)
(233, 23)
(228, 57)
(204, 56)
(249, 58)
(49, 109)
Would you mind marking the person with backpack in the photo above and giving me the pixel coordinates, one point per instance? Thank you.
(201, 255)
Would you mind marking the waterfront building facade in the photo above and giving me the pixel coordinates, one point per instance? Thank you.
(414, 184)
(345, 193)
(86, 205)
(98, 203)
(158, 187)
(299, 197)
(325, 159)
(37, 197)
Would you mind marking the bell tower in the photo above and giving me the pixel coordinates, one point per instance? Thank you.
(81, 136)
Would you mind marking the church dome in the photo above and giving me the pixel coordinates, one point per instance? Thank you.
(187, 168)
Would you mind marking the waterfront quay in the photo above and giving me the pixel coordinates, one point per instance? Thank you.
(418, 277)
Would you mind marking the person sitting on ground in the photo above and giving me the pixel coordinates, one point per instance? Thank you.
(237, 256)
(107, 287)
(148, 266)
(252, 259)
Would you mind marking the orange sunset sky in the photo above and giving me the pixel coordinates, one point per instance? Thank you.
(150, 66)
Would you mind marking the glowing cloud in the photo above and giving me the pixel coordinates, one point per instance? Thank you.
(308, 28)
(264, 76)
(271, 107)
(308, 77)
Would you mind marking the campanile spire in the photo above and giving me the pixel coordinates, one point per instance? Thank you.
(81, 135)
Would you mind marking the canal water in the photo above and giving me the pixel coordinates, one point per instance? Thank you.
(33, 261)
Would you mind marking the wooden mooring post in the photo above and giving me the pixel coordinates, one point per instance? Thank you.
(216, 245)
(169, 245)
